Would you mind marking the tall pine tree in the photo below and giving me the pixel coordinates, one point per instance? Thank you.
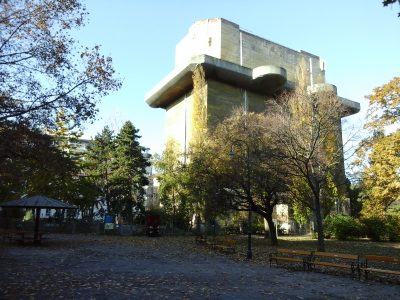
(98, 164)
(129, 173)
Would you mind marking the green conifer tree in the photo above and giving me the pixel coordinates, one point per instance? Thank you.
(129, 173)
(98, 164)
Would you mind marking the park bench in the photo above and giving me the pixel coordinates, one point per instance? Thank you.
(291, 256)
(334, 260)
(12, 234)
(226, 246)
(20, 236)
(201, 239)
(380, 264)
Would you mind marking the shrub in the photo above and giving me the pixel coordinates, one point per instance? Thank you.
(232, 228)
(342, 227)
(393, 228)
(375, 227)
(258, 227)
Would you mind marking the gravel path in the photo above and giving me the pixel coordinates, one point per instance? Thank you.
(99, 267)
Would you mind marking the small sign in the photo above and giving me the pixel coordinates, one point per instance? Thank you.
(108, 219)
(108, 226)
(108, 222)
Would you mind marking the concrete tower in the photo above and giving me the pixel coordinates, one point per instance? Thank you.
(241, 69)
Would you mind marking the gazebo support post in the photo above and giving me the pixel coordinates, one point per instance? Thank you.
(36, 239)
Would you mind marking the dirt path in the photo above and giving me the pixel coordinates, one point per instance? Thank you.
(99, 267)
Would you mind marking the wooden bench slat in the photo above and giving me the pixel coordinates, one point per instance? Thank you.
(293, 251)
(335, 260)
(287, 259)
(290, 256)
(224, 248)
(336, 255)
(331, 264)
(373, 263)
(382, 258)
(381, 271)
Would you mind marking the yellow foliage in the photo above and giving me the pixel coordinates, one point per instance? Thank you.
(384, 105)
(381, 177)
(199, 117)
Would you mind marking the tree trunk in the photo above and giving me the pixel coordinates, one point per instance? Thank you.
(272, 229)
(318, 218)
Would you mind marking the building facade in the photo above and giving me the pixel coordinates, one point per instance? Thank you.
(241, 69)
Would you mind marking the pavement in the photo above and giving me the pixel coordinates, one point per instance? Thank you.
(104, 267)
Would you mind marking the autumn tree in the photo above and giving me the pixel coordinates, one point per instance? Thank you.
(30, 163)
(72, 186)
(384, 105)
(381, 178)
(206, 180)
(45, 72)
(378, 155)
(251, 178)
(172, 179)
(128, 177)
(66, 137)
(43, 69)
(306, 130)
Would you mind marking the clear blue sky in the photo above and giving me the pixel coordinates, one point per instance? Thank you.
(358, 39)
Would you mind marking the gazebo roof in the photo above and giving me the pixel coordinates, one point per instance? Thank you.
(37, 202)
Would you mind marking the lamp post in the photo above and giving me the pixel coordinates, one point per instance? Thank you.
(249, 251)
(249, 217)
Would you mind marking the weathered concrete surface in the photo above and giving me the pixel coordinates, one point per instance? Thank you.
(99, 267)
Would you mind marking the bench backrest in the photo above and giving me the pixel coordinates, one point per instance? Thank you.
(293, 252)
(335, 255)
(381, 258)
(229, 243)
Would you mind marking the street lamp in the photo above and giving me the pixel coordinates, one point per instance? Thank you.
(249, 225)
(249, 251)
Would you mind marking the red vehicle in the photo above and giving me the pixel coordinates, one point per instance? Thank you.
(152, 225)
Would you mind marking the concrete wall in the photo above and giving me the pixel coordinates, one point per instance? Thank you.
(177, 121)
(204, 37)
(225, 40)
(222, 99)
(230, 41)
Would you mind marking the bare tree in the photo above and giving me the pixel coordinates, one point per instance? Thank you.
(389, 2)
(307, 131)
(254, 178)
(43, 69)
